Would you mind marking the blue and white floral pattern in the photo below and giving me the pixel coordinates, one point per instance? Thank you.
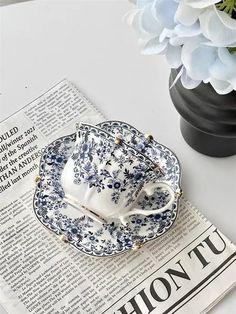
(105, 166)
(157, 152)
(85, 234)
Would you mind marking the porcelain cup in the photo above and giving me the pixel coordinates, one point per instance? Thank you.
(104, 177)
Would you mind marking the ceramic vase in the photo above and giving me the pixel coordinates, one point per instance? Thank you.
(208, 120)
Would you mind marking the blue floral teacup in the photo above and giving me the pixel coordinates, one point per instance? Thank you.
(105, 176)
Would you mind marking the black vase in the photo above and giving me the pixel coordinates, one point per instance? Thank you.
(208, 120)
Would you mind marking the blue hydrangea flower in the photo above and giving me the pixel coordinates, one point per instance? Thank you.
(194, 35)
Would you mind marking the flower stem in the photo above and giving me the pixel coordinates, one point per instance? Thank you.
(232, 49)
(228, 6)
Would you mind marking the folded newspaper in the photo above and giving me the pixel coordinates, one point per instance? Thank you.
(187, 270)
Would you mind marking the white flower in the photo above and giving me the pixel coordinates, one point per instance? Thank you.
(218, 27)
(154, 23)
(201, 4)
(210, 65)
(193, 35)
(184, 33)
(222, 72)
(189, 10)
(198, 57)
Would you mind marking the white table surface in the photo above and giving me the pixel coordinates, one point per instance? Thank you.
(87, 42)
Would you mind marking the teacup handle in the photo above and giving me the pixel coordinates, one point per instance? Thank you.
(149, 189)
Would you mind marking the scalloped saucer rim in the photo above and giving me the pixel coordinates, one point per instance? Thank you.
(132, 240)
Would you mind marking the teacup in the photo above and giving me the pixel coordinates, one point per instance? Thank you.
(105, 176)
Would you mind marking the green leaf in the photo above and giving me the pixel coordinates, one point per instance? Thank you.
(228, 6)
(232, 49)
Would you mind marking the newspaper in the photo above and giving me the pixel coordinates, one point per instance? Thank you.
(188, 269)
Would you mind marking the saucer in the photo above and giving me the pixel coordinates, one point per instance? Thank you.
(85, 234)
